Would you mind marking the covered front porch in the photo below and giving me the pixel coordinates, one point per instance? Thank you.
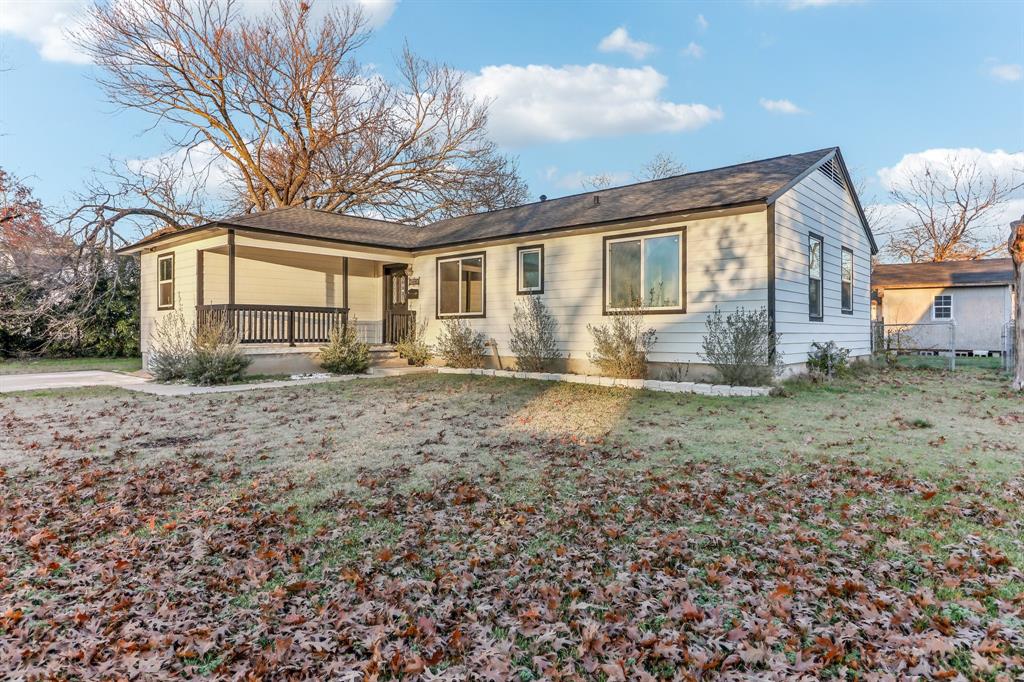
(278, 293)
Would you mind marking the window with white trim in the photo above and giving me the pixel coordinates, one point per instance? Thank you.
(530, 273)
(460, 286)
(815, 275)
(942, 307)
(650, 269)
(846, 283)
(165, 282)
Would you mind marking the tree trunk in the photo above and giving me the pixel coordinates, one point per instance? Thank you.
(1016, 246)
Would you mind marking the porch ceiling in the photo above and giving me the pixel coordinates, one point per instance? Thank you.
(305, 261)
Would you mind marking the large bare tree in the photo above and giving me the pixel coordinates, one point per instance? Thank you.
(286, 106)
(1016, 247)
(952, 207)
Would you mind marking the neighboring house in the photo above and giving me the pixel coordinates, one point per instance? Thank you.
(786, 234)
(954, 305)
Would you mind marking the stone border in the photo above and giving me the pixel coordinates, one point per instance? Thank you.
(648, 384)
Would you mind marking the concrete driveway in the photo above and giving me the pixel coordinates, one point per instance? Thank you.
(31, 382)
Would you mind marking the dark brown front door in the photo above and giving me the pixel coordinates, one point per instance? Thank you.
(396, 303)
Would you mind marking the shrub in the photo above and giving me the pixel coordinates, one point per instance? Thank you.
(533, 340)
(344, 352)
(414, 347)
(739, 346)
(216, 357)
(173, 346)
(621, 347)
(459, 346)
(828, 360)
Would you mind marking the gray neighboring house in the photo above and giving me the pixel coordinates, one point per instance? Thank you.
(974, 296)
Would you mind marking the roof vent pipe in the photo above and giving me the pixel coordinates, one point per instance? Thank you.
(597, 200)
(543, 197)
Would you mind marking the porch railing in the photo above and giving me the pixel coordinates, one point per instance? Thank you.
(275, 323)
(397, 325)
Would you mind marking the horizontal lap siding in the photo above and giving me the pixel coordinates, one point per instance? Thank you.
(816, 204)
(979, 315)
(726, 266)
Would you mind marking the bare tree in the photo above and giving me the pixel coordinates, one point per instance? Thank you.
(597, 181)
(283, 101)
(1016, 247)
(951, 207)
(663, 165)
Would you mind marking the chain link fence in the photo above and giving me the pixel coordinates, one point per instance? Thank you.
(1008, 349)
(926, 344)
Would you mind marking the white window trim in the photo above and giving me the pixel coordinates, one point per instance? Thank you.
(819, 276)
(643, 270)
(520, 275)
(483, 284)
(160, 282)
(943, 319)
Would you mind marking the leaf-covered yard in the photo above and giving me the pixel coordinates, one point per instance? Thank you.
(452, 527)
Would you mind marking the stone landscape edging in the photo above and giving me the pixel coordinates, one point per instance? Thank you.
(636, 384)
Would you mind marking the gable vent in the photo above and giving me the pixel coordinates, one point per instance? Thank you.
(831, 169)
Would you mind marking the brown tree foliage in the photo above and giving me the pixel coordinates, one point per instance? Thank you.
(950, 208)
(284, 101)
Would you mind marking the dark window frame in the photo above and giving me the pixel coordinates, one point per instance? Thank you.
(681, 231)
(820, 316)
(853, 263)
(936, 318)
(159, 259)
(482, 255)
(520, 291)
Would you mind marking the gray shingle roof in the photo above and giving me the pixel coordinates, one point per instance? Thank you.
(948, 273)
(745, 183)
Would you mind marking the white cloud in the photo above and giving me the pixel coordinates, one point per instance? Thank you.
(1006, 72)
(693, 50)
(201, 169)
(996, 165)
(702, 23)
(540, 103)
(804, 4)
(46, 23)
(619, 41)
(780, 106)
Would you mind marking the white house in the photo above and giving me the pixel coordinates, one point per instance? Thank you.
(786, 234)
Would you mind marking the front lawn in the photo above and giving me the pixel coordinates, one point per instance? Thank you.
(33, 365)
(449, 525)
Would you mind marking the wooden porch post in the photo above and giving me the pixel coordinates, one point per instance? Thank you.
(344, 281)
(231, 267)
(199, 278)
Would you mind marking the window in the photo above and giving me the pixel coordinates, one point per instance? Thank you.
(847, 281)
(815, 274)
(648, 268)
(460, 286)
(942, 307)
(165, 282)
(530, 277)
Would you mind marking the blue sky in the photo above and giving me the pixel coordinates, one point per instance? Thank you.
(586, 88)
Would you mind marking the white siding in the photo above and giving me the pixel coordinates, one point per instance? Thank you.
(979, 315)
(816, 204)
(726, 265)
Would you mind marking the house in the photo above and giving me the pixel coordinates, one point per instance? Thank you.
(962, 306)
(787, 234)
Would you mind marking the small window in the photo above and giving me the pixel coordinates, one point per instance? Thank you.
(530, 278)
(942, 307)
(460, 286)
(847, 281)
(649, 269)
(165, 282)
(815, 274)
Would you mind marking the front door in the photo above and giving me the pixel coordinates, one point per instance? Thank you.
(396, 303)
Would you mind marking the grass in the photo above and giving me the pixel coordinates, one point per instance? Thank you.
(33, 365)
(939, 362)
(894, 475)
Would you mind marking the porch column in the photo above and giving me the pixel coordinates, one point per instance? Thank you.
(199, 278)
(231, 267)
(344, 281)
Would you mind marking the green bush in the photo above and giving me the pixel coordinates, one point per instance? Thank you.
(459, 346)
(207, 356)
(739, 346)
(621, 347)
(344, 352)
(828, 360)
(414, 347)
(173, 346)
(533, 341)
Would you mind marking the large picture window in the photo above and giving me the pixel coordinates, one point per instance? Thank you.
(460, 286)
(815, 275)
(530, 270)
(165, 282)
(649, 269)
(847, 281)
